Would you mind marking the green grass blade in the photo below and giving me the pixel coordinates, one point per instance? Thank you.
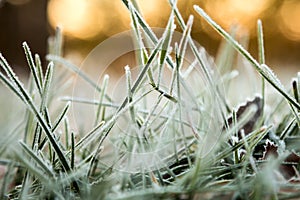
(166, 46)
(66, 131)
(61, 117)
(72, 150)
(102, 95)
(261, 55)
(296, 90)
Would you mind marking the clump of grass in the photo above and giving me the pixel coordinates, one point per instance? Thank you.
(176, 138)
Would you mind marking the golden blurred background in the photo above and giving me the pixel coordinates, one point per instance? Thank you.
(86, 23)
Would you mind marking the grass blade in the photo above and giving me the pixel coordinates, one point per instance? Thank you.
(61, 116)
(46, 86)
(261, 55)
(102, 95)
(39, 68)
(38, 160)
(32, 67)
(75, 69)
(72, 150)
(263, 69)
(142, 73)
(166, 45)
(21, 92)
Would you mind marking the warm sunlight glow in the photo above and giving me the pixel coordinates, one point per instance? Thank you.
(290, 15)
(243, 13)
(78, 18)
(155, 12)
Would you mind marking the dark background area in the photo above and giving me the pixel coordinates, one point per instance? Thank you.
(26, 21)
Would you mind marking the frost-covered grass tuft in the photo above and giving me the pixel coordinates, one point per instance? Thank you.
(174, 135)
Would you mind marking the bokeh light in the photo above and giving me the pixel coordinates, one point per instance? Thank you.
(86, 19)
(290, 23)
(86, 23)
(78, 18)
(236, 12)
(89, 19)
(158, 8)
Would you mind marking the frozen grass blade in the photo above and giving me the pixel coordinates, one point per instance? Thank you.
(204, 67)
(88, 101)
(226, 55)
(129, 93)
(154, 40)
(6, 81)
(106, 128)
(180, 102)
(56, 124)
(102, 95)
(44, 101)
(296, 114)
(39, 68)
(165, 46)
(38, 160)
(33, 67)
(142, 22)
(55, 43)
(178, 121)
(38, 173)
(58, 42)
(255, 137)
(61, 117)
(66, 131)
(184, 41)
(142, 55)
(143, 72)
(46, 85)
(146, 122)
(75, 69)
(285, 132)
(263, 69)
(21, 92)
(87, 137)
(261, 55)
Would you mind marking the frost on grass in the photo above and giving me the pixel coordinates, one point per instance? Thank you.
(168, 137)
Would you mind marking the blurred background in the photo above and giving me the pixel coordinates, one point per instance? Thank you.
(86, 23)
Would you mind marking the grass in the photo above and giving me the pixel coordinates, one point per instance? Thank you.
(169, 138)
